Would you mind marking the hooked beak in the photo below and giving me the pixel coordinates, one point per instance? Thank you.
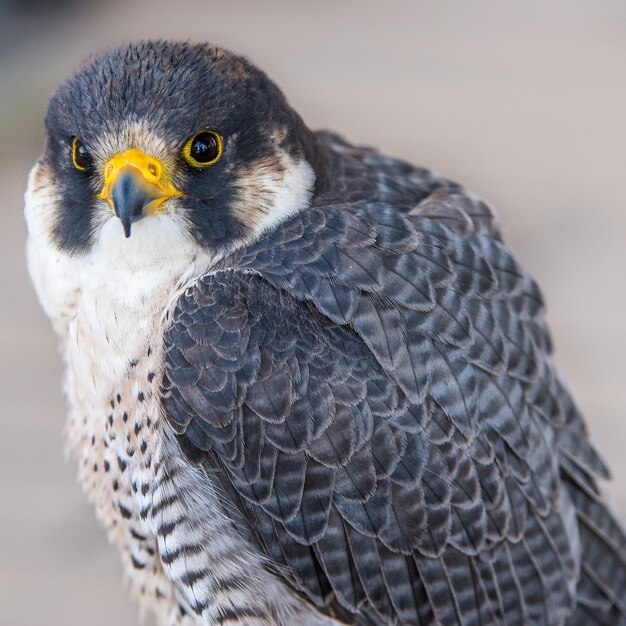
(135, 185)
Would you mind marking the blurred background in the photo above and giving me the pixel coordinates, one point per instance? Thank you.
(524, 103)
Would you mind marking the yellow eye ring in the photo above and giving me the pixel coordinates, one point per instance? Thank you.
(203, 149)
(80, 156)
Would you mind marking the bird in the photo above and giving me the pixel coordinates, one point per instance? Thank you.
(307, 383)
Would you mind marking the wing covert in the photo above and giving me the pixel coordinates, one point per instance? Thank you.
(376, 390)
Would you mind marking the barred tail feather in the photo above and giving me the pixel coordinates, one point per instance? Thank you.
(601, 590)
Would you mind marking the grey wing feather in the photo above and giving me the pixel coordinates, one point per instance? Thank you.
(375, 387)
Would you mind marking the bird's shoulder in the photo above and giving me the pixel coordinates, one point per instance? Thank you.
(373, 382)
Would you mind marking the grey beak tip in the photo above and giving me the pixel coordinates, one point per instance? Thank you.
(129, 200)
(126, 223)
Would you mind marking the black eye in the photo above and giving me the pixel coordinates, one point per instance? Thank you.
(203, 149)
(80, 157)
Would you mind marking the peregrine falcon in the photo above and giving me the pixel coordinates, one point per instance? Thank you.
(308, 383)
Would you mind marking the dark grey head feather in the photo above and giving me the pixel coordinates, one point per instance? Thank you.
(175, 90)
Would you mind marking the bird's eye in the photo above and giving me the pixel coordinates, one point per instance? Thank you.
(80, 157)
(204, 148)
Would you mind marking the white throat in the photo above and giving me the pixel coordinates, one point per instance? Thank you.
(108, 304)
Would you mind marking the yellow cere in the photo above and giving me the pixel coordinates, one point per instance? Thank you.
(148, 172)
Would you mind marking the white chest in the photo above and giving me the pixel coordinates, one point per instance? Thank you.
(108, 306)
(113, 352)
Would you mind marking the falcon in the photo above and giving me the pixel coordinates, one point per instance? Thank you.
(308, 383)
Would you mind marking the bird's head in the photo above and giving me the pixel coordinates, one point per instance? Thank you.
(157, 138)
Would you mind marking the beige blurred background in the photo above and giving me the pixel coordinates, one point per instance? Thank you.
(524, 102)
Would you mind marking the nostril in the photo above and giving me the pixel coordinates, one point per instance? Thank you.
(153, 169)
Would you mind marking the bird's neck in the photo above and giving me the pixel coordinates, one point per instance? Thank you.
(109, 305)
